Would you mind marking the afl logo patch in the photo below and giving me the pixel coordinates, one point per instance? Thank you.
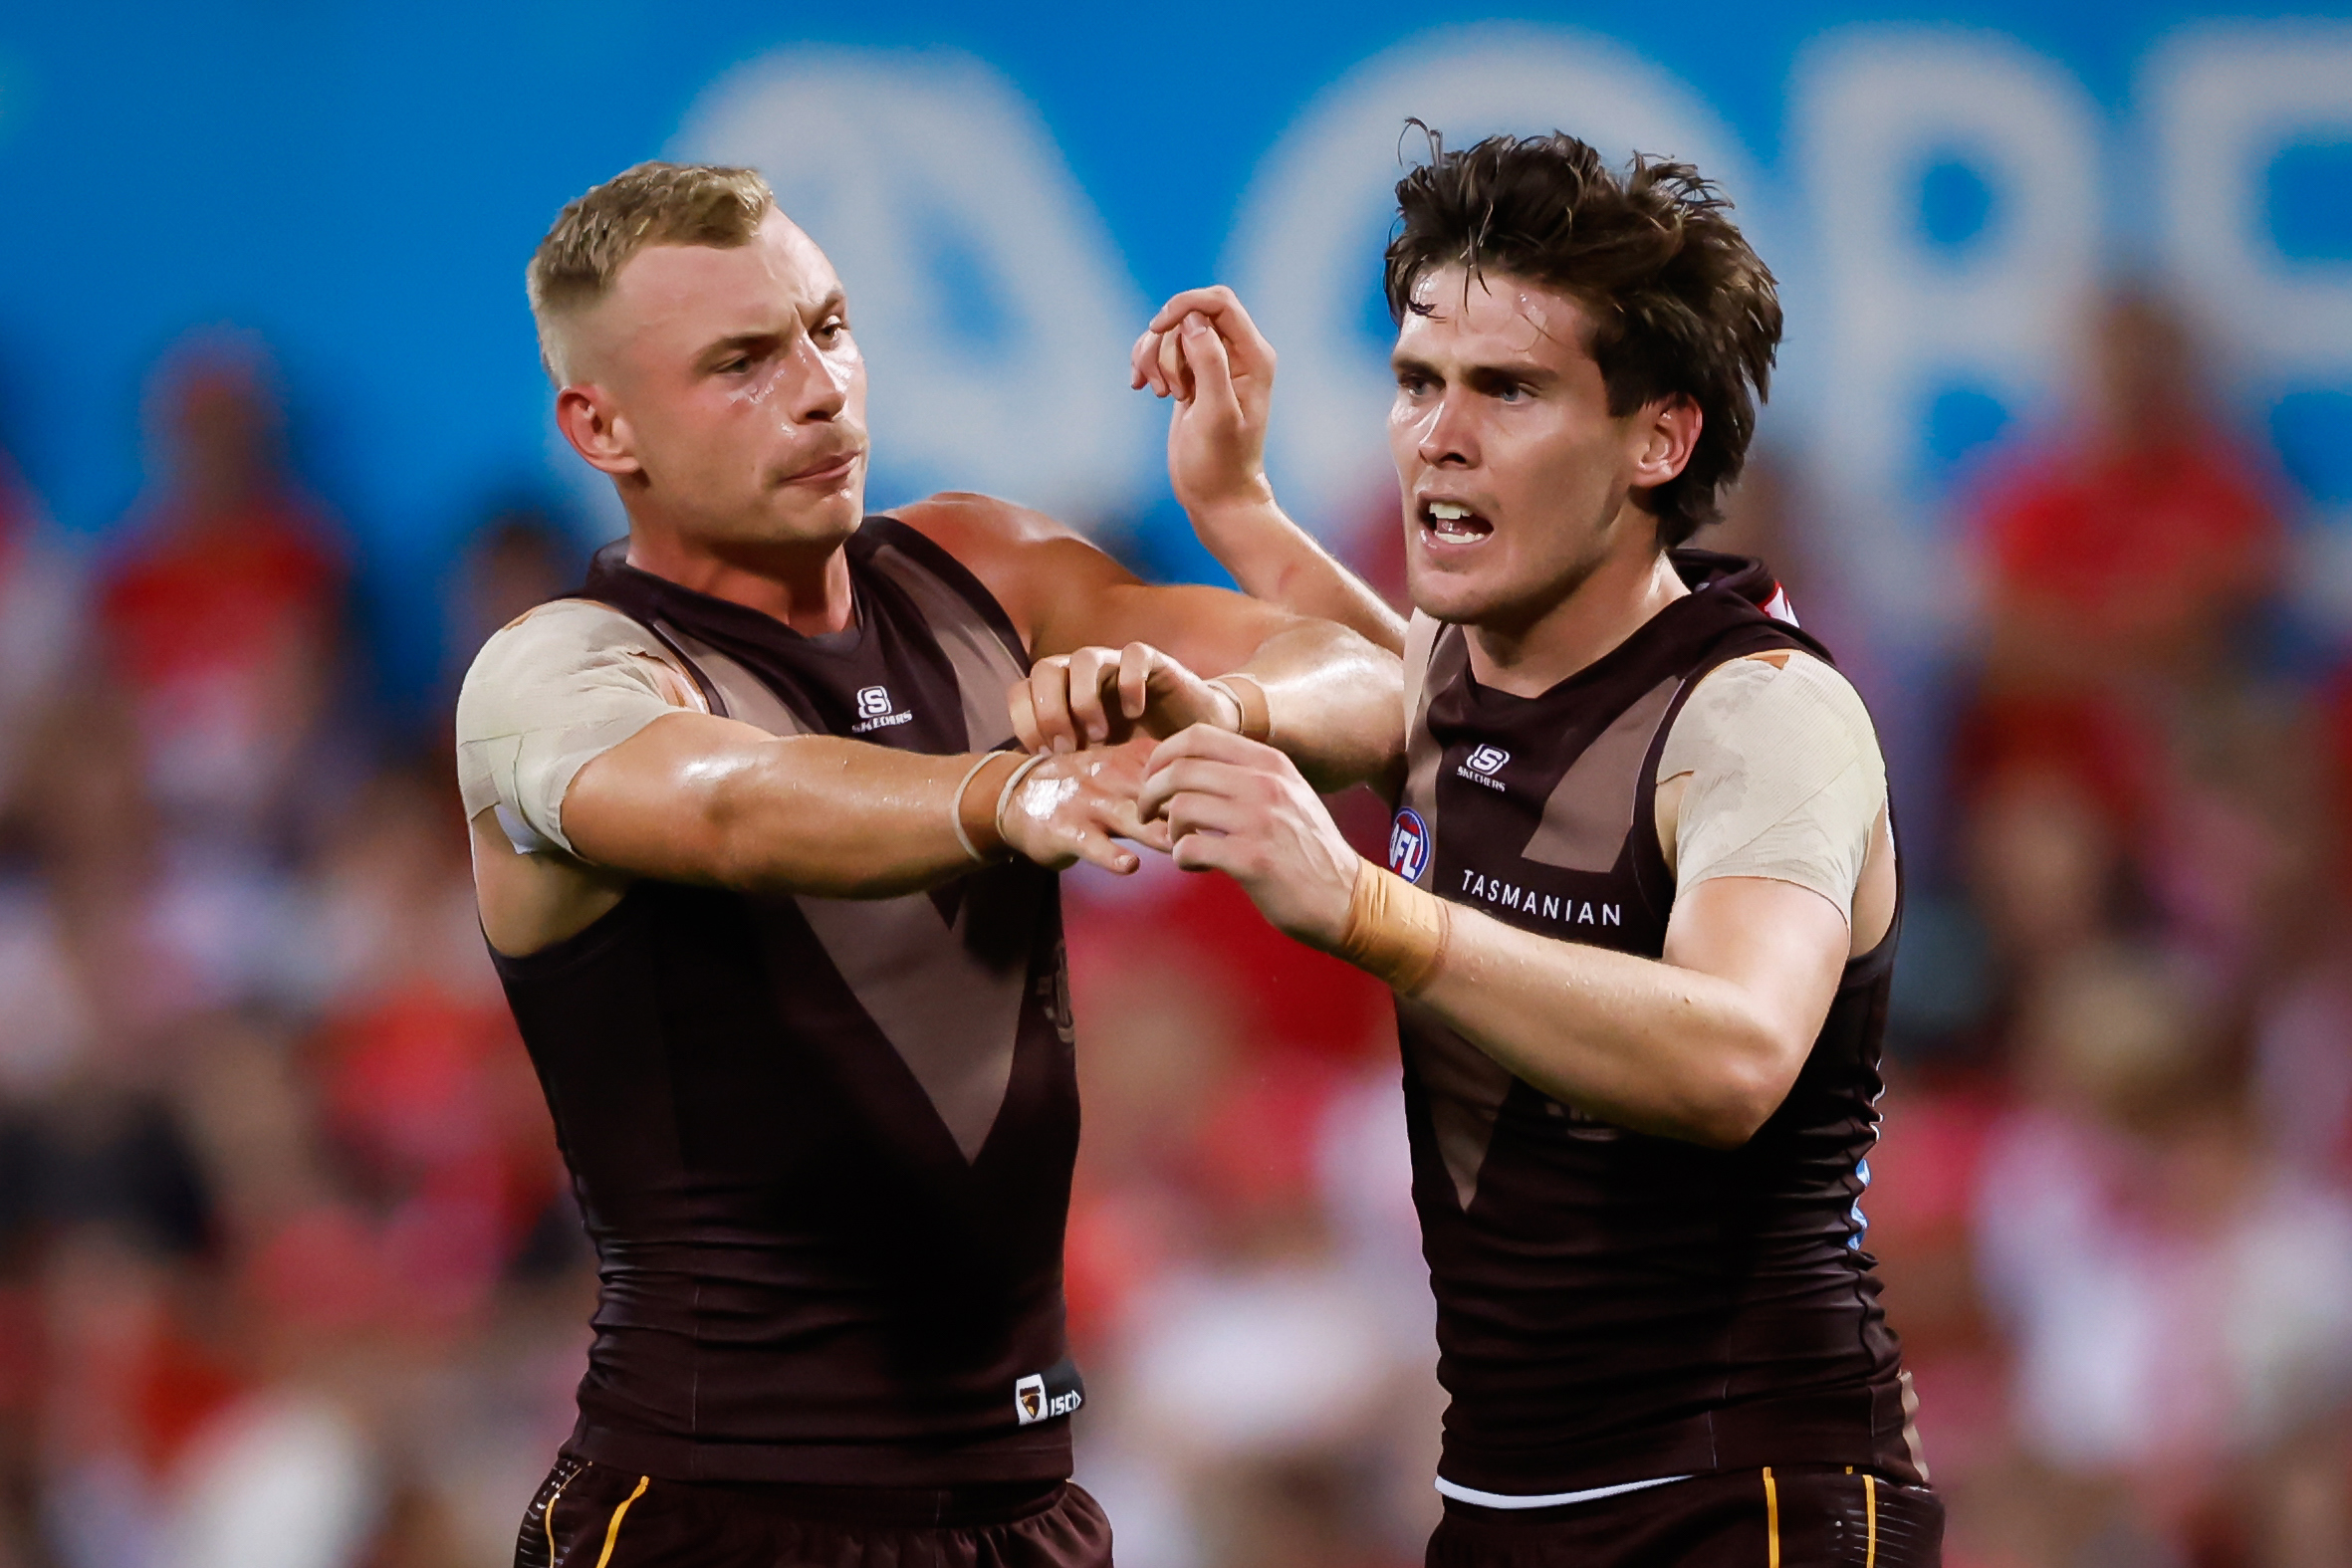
(1408, 846)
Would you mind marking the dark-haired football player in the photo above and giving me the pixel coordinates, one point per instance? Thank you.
(1641, 894)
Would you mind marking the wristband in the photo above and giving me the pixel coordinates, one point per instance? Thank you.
(1395, 931)
(978, 828)
(1021, 771)
(1254, 715)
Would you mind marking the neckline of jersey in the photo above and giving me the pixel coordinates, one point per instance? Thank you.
(741, 619)
(1716, 574)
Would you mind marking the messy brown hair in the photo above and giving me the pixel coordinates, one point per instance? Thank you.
(594, 236)
(1681, 305)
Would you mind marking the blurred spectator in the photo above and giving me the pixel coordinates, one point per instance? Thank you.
(2118, 1233)
(223, 607)
(2123, 562)
(2133, 546)
(41, 632)
(2180, 1300)
(222, 613)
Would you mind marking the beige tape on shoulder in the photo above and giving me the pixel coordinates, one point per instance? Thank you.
(549, 694)
(1786, 779)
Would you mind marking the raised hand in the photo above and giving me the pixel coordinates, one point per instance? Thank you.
(1203, 351)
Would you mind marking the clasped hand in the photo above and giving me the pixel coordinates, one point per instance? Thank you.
(1067, 703)
(1205, 795)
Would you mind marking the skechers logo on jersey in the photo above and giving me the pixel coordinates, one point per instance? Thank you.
(1408, 846)
(1546, 906)
(1032, 1401)
(1480, 766)
(874, 711)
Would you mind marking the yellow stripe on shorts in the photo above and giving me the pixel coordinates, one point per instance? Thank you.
(612, 1530)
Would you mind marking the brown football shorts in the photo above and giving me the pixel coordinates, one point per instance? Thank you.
(1815, 1516)
(588, 1515)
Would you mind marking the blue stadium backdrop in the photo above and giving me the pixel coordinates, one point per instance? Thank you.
(1007, 189)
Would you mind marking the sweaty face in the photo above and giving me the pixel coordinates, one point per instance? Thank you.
(740, 394)
(1513, 471)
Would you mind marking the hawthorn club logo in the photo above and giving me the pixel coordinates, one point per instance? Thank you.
(1042, 1396)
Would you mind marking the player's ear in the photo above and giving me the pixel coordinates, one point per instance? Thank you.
(593, 424)
(1665, 433)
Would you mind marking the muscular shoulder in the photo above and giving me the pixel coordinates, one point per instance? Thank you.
(979, 529)
(1036, 565)
(956, 520)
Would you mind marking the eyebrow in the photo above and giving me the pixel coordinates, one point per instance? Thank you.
(832, 304)
(734, 343)
(1526, 372)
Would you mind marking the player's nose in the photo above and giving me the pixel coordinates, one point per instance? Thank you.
(1448, 438)
(821, 384)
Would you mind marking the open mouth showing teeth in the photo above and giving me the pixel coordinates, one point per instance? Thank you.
(1451, 523)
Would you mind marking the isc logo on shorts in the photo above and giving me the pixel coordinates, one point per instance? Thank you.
(1408, 846)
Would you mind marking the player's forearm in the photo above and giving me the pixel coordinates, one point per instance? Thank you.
(839, 818)
(1274, 561)
(1336, 702)
(804, 815)
(1636, 1041)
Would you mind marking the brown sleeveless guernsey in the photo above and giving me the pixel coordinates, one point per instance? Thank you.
(1616, 1307)
(823, 1146)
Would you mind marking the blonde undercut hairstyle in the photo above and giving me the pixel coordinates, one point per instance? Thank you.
(594, 237)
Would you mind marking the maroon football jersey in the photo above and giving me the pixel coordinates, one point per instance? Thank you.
(823, 1146)
(1614, 1306)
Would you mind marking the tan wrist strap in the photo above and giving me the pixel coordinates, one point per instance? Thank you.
(1248, 701)
(1395, 931)
(1011, 786)
(975, 813)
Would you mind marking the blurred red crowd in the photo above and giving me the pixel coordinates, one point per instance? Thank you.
(286, 1253)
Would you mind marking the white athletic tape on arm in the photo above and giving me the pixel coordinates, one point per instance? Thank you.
(549, 694)
(1786, 779)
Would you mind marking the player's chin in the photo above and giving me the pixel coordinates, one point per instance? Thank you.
(1449, 588)
(820, 518)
